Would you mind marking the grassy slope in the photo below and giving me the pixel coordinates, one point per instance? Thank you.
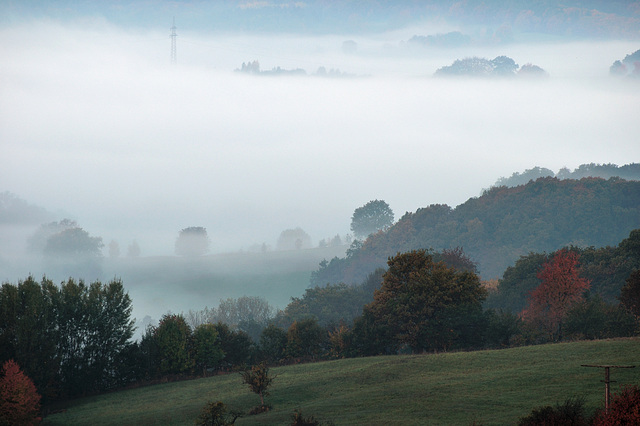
(491, 387)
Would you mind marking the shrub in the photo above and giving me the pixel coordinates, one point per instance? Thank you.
(623, 410)
(19, 400)
(217, 414)
(569, 413)
(299, 420)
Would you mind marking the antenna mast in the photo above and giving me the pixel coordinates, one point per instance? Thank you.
(174, 56)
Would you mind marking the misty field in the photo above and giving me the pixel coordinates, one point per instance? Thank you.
(161, 284)
(490, 387)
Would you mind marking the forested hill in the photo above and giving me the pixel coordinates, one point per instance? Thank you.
(504, 223)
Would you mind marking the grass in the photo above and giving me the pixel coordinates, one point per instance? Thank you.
(490, 387)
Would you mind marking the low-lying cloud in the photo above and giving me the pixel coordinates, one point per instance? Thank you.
(97, 123)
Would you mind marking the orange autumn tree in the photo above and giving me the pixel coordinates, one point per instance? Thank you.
(561, 288)
(19, 399)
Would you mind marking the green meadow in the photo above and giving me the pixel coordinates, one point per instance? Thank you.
(494, 387)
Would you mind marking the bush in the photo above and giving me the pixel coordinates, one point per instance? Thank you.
(623, 410)
(569, 413)
(299, 420)
(217, 414)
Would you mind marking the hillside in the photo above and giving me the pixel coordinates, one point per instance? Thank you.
(503, 224)
(489, 387)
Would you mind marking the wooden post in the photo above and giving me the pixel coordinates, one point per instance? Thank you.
(607, 381)
(607, 389)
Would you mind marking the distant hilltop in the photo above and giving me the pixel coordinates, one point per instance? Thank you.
(628, 171)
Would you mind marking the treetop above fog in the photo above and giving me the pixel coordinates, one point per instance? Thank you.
(500, 66)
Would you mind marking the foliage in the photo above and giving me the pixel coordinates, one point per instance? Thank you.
(133, 250)
(606, 268)
(425, 304)
(192, 241)
(605, 171)
(114, 249)
(298, 419)
(258, 379)
(67, 248)
(331, 304)
(501, 66)
(560, 289)
(371, 337)
(501, 328)
(630, 293)
(273, 341)
(374, 216)
(236, 345)
(15, 210)
(19, 399)
(293, 239)
(73, 242)
(70, 339)
(305, 339)
(173, 337)
(571, 412)
(37, 242)
(206, 346)
(503, 224)
(593, 318)
(523, 178)
(234, 312)
(217, 414)
(624, 408)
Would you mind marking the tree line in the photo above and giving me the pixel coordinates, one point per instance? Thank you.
(70, 339)
(75, 339)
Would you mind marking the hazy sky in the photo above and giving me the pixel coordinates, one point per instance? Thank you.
(94, 121)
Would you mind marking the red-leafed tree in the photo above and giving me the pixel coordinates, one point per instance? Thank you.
(19, 399)
(561, 287)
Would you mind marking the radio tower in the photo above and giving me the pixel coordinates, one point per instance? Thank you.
(174, 56)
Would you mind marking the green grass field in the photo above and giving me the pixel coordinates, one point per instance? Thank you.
(488, 387)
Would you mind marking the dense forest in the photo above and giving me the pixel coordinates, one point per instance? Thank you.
(501, 225)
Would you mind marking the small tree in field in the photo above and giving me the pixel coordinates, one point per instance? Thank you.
(19, 399)
(258, 379)
(560, 289)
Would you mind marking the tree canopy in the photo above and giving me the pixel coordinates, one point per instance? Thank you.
(293, 239)
(70, 339)
(192, 241)
(374, 216)
(426, 305)
(561, 287)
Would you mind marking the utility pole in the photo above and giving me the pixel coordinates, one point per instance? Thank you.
(607, 381)
(174, 55)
